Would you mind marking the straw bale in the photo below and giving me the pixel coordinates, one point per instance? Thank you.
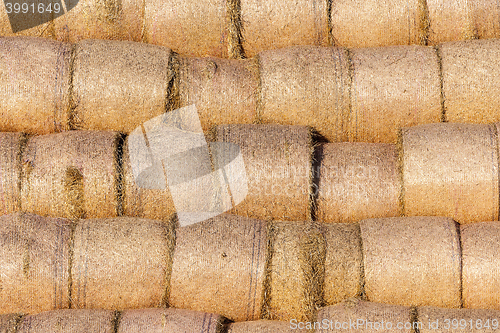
(10, 172)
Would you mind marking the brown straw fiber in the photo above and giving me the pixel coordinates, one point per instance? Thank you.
(371, 317)
(485, 15)
(277, 160)
(306, 86)
(223, 90)
(10, 172)
(169, 320)
(357, 181)
(120, 263)
(439, 320)
(471, 80)
(260, 326)
(276, 24)
(343, 263)
(34, 257)
(451, 170)
(8, 323)
(34, 81)
(119, 85)
(480, 273)
(219, 267)
(71, 175)
(449, 20)
(393, 87)
(402, 268)
(370, 23)
(191, 28)
(69, 321)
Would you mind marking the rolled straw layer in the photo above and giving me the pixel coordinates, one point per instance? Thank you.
(10, 172)
(445, 25)
(260, 326)
(439, 320)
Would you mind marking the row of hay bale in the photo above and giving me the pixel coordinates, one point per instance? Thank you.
(363, 95)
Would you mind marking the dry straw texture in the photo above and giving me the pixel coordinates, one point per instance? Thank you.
(8, 323)
(357, 181)
(34, 256)
(401, 268)
(118, 86)
(456, 166)
(393, 87)
(71, 174)
(219, 266)
(10, 172)
(306, 86)
(34, 81)
(449, 25)
(456, 320)
(485, 18)
(260, 326)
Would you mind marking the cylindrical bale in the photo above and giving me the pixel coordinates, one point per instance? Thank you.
(362, 23)
(393, 87)
(412, 261)
(219, 266)
(485, 15)
(10, 172)
(471, 80)
(119, 85)
(72, 174)
(480, 272)
(439, 320)
(277, 160)
(356, 316)
(343, 262)
(261, 326)
(169, 320)
(8, 323)
(357, 181)
(35, 82)
(223, 90)
(34, 256)
(276, 24)
(449, 20)
(191, 28)
(306, 86)
(456, 166)
(120, 263)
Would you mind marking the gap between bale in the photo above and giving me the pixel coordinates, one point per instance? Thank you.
(441, 82)
(74, 193)
(235, 30)
(424, 22)
(170, 236)
(73, 123)
(172, 97)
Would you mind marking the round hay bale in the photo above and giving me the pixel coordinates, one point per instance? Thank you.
(456, 166)
(10, 172)
(72, 174)
(356, 316)
(278, 169)
(74, 321)
(35, 80)
(362, 23)
(169, 320)
(357, 181)
(34, 256)
(219, 267)
(343, 262)
(471, 80)
(223, 90)
(120, 263)
(412, 261)
(439, 320)
(260, 326)
(276, 24)
(306, 86)
(481, 281)
(8, 323)
(449, 20)
(393, 87)
(119, 85)
(191, 28)
(485, 18)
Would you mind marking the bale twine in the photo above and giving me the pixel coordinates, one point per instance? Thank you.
(439, 320)
(34, 81)
(481, 281)
(120, 263)
(223, 90)
(8, 323)
(401, 268)
(169, 320)
(276, 24)
(361, 23)
(34, 256)
(456, 166)
(72, 174)
(306, 86)
(343, 263)
(449, 20)
(219, 267)
(260, 326)
(278, 169)
(357, 181)
(10, 172)
(354, 315)
(118, 86)
(471, 80)
(393, 87)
